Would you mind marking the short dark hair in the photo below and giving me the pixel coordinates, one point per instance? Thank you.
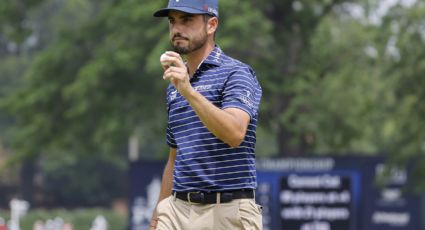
(207, 17)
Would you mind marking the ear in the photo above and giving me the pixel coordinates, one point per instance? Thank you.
(212, 25)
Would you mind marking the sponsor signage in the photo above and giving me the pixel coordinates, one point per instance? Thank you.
(390, 208)
(145, 185)
(316, 201)
(318, 193)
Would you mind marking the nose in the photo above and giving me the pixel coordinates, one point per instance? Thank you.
(175, 28)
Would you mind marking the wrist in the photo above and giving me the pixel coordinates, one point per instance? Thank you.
(188, 93)
(153, 222)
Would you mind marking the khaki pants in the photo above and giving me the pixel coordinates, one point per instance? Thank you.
(239, 214)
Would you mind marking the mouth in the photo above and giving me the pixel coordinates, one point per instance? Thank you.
(179, 39)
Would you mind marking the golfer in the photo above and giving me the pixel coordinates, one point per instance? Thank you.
(212, 102)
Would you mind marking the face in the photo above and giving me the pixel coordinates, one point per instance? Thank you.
(188, 32)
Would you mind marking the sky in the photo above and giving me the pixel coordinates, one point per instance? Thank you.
(385, 5)
(377, 13)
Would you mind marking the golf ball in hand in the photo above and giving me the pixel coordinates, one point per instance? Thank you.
(163, 61)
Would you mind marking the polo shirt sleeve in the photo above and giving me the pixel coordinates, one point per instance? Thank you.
(170, 138)
(242, 91)
(171, 142)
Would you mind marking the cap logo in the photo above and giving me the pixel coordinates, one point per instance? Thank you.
(190, 6)
(212, 10)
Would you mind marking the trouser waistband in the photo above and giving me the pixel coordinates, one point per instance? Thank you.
(214, 197)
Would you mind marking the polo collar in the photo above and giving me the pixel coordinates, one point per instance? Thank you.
(215, 57)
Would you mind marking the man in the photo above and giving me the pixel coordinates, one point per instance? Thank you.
(212, 101)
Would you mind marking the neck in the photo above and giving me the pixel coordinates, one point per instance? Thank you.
(195, 58)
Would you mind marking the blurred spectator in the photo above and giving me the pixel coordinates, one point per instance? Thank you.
(67, 226)
(18, 209)
(2, 224)
(99, 223)
(38, 225)
(56, 224)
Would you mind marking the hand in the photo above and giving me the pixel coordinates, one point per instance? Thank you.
(154, 222)
(176, 72)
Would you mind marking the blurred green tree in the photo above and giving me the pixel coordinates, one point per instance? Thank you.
(106, 87)
(44, 22)
(13, 15)
(330, 83)
(404, 30)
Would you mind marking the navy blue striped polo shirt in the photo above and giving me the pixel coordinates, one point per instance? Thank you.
(204, 162)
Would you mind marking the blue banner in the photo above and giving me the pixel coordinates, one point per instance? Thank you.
(318, 193)
(145, 185)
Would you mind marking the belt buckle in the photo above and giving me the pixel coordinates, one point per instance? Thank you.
(226, 197)
(197, 192)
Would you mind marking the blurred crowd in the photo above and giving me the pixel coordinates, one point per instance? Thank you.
(57, 223)
(19, 208)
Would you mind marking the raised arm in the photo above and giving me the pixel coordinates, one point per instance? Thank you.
(229, 125)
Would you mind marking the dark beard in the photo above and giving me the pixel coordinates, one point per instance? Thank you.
(196, 44)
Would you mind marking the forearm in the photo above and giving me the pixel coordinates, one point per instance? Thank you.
(229, 125)
(222, 123)
(167, 179)
(167, 182)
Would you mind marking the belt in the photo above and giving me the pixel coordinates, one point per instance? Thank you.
(214, 197)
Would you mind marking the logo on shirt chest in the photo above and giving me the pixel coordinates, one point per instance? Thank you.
(201, 88)
(173, 95)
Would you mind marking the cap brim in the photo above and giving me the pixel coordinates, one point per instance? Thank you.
(164, 12)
